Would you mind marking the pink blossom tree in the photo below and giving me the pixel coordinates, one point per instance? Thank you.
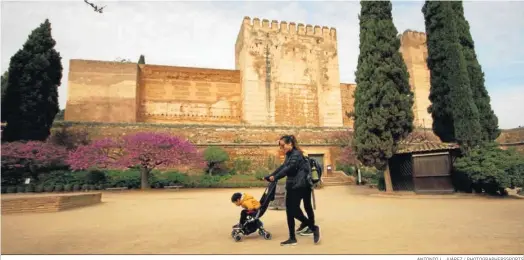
(147, 151)
(32, 156)
(343, 138)
(347, 156)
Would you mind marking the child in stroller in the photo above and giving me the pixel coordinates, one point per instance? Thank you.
(252, 212)
(246, 201)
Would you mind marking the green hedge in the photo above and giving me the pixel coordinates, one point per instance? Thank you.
(66, 181)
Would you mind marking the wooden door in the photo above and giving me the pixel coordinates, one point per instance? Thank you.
(432, 173)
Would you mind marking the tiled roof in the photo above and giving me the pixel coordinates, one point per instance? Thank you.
(425, 147)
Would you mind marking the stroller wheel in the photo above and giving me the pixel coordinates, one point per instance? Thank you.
(233, 233)
(237, 238)
(267, 236)
(261, 232)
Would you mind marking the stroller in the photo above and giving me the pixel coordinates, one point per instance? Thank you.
(253, 222)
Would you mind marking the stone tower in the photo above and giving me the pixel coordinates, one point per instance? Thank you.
(415, 53)
(289, 74)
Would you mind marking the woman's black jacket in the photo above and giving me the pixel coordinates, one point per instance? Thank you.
(292, 168)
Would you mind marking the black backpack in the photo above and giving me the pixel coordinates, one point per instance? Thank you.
(309, 173)
(315, 170)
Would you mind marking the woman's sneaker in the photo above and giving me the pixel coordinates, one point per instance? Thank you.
(302, 228)
(307, 232)
(289, 242)
(316, 235)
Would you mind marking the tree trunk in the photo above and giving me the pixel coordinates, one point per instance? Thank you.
(211, 167)
(387, 180)
(359, 176)
(144, 179)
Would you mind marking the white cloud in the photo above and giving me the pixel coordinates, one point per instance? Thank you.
(203, 34)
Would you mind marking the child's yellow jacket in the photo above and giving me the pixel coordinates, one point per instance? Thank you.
(248, 202)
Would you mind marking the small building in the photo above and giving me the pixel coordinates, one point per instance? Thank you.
(423, 167)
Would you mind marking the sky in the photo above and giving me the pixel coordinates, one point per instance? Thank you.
(203, 34)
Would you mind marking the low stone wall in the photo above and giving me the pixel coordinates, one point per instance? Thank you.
(511, 136)
(209, 134)
(47, 203)
(256, 143)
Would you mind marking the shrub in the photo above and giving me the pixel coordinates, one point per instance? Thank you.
(176, 177)
(348, 169)
(76, 187)
(49, 188)
(69, 138)
(95, 177)
(39, 188)
(214, 156)
(85, 187)
(370, 175)
(11, 189)
(490, 169)
(30, 188)
(129, 178)
(4, 189)
(261, 173)
(63, 177)
(381, 184)
(241, 165)
(207, 181)
(271, 163)
(20, 189)
(68, 187)
(12, 177)
(59, 188)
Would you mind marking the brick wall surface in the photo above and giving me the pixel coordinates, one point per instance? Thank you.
(100, 91)
(346, 93)
(182, 95)
(47, 203)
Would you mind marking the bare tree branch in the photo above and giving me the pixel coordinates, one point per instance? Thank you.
(96, 8)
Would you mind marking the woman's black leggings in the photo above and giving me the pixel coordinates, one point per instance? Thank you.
(293, 211)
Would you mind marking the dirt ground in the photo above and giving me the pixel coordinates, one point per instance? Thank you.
(199, 222)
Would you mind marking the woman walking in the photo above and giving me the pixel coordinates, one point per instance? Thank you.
(297, 189)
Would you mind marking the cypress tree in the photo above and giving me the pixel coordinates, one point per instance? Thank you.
(3, 80)
(142, 60)
(455, 115)
(31, 97)
(488, 119)
(383, 98)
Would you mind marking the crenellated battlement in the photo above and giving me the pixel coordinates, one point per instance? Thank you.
(413, 37)
(291, 28)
